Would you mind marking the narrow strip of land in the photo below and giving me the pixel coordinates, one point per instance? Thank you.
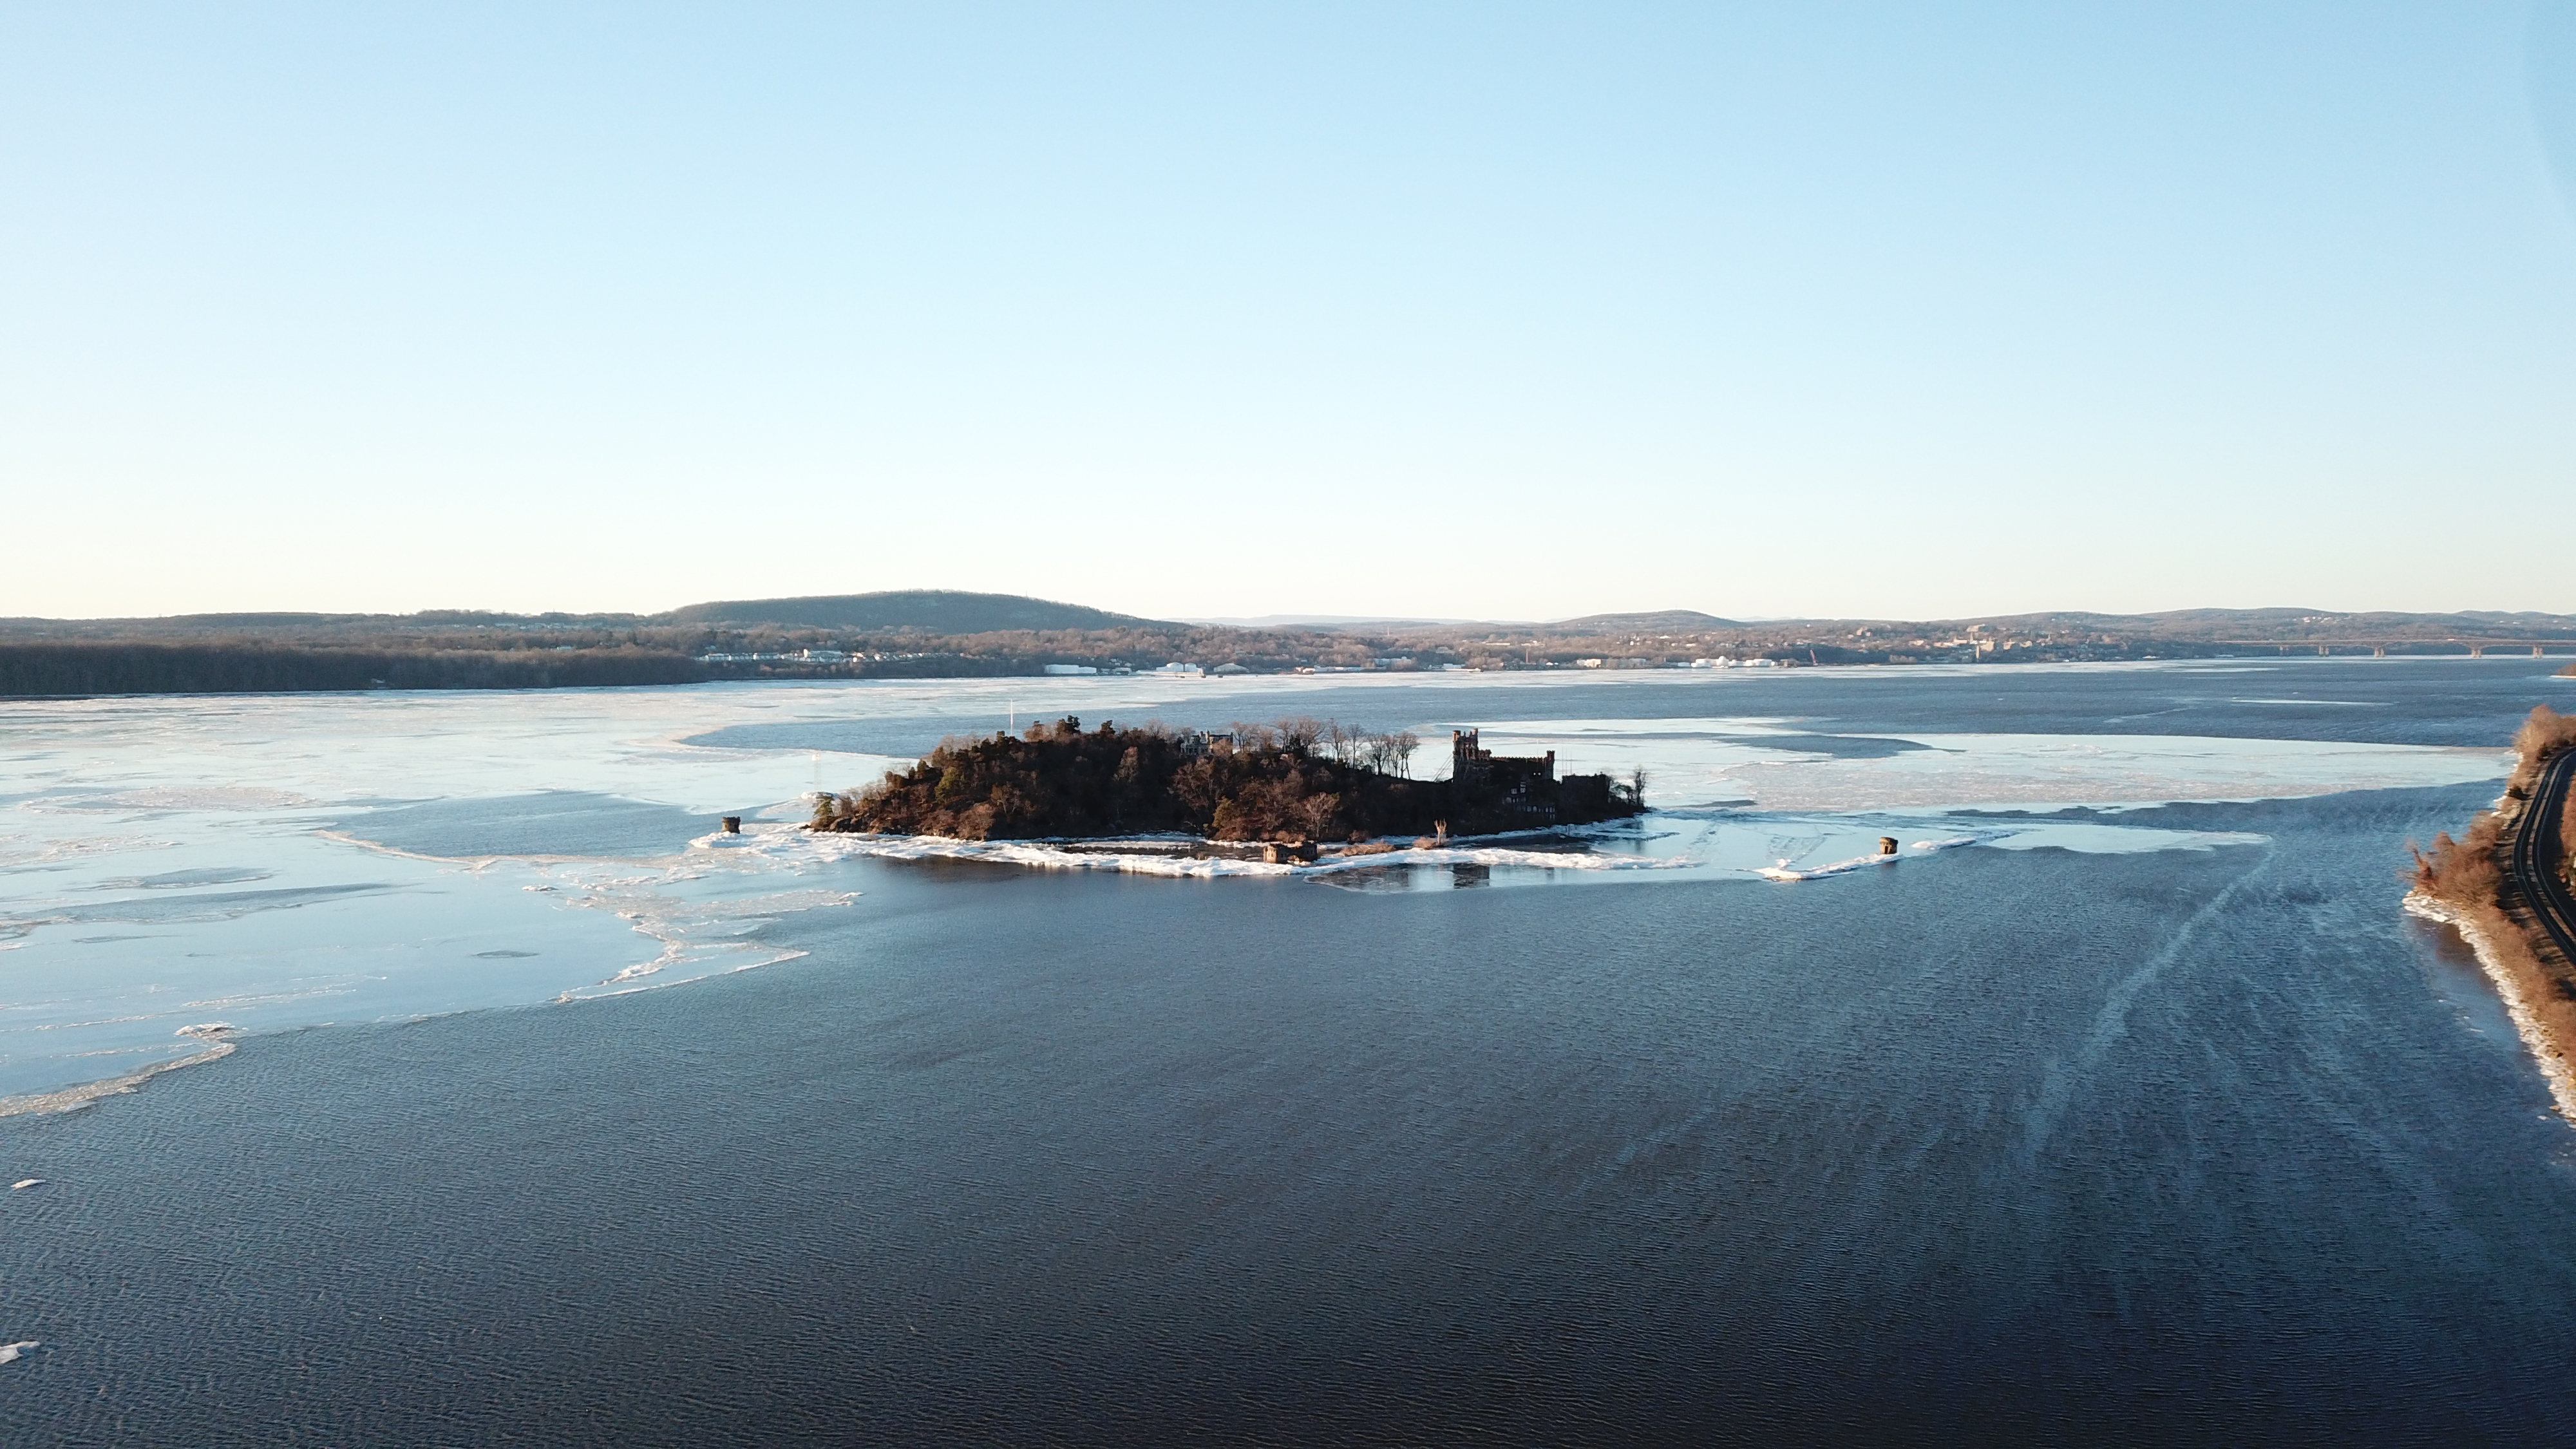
(2502, 883)
(2535, 860)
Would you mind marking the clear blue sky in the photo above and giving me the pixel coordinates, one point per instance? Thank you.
(1468, 310)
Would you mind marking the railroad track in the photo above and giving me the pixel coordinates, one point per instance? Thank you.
(2536, 862)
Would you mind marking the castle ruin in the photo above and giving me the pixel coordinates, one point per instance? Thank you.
(1524, 786)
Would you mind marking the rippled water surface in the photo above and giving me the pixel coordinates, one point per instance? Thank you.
(2132, 1119)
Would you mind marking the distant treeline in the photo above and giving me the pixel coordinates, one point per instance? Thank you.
(239, 654)
(82, 669)
(931, 634)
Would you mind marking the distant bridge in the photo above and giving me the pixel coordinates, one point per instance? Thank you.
(2475, 648)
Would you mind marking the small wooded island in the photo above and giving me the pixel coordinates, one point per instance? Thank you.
(1300, 781)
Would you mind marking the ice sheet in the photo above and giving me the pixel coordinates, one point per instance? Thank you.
(283, 861)
(1768, 763)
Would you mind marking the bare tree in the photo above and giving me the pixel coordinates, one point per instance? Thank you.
(1341, 744)
(1315, 813)
(1399, 749)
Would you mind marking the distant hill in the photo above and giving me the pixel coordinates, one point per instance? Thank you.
(1347, 623)
(1668, 621)
(932, 611)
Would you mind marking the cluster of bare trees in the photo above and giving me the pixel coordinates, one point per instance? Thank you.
(1389, 754)
(2464, 872)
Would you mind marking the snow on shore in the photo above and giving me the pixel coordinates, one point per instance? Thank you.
(2554, 1067)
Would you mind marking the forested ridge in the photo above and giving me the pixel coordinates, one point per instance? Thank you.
(942, 634)
(86, 669)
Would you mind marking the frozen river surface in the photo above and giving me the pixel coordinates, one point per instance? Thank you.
(2129, 1108)
(268, 862)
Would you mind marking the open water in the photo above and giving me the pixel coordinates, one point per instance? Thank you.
(2138, 1113)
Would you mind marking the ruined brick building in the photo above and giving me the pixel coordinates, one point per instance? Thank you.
(1525, 786)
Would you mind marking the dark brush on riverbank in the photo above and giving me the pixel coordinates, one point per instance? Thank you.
(2472, 877)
